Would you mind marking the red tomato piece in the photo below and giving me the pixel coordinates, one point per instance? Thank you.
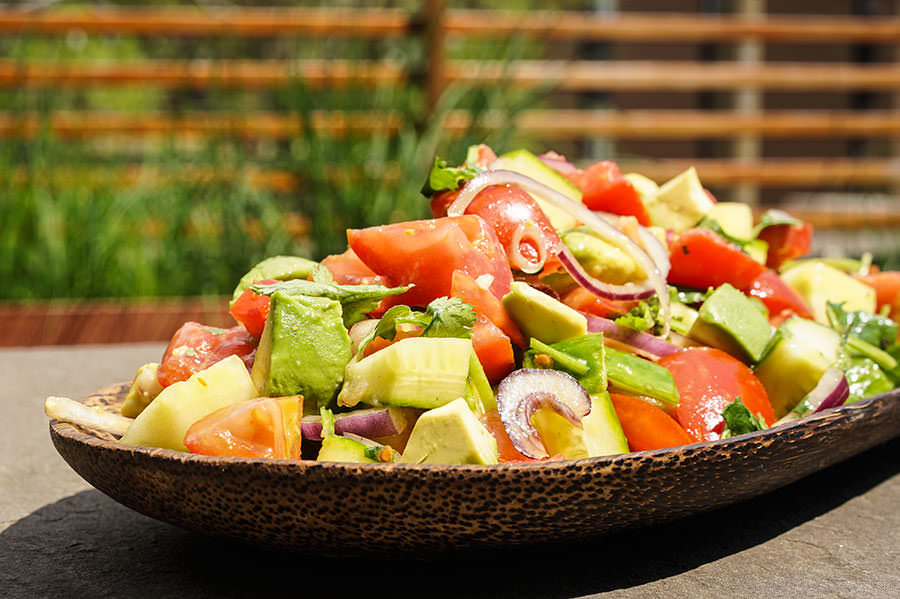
(485, 303)
(701, 259)
(195, 347)
(506, 208)
(485, 156)
(427, 252)
(887, 289)
(647, 427)
(251, 309)
(786, 242)
(583, 300)
(266, 427)
(708, 379)
(493, 349)
(776, 295)
(604, 188)
(348, 269)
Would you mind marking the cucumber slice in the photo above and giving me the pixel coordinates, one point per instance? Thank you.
(600, 433)
(420, 372)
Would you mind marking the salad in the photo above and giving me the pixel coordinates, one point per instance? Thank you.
(545, 312)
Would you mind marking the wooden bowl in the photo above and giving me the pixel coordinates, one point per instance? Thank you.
(340, 508)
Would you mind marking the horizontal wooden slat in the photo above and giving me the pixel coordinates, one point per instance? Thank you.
(848, 220)
(572, 76)
(211, 21)
(241, 74)
(379, 22)
(548, 124)
(785, 172)
(625, 27)
(675, 75)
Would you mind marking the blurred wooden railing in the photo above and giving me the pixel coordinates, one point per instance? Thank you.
(435, 24)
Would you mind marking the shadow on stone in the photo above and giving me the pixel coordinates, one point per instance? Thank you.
(88, 545)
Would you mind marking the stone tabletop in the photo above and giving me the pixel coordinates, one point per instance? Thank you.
(833, 534)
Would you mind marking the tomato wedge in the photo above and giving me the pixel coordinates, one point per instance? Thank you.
(887, 290)
(251, 309)
(647, 427)
(484, 302)
(427, 252)
(506, 451)
(195, 347)
(493, 349)
(604, 188)
(700, 258)
(708, 379)
(786, 242)
(267, 427)
(777, 296)
(348, 269)
(505, 208)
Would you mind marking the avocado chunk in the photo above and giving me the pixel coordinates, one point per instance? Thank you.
(803, 350)
(735, 218)
(419, 372)
(680, 203)
(303, 350)
(540, 316)
(165, 421)
(817, 283)
(281, 268)
(646, 187)
(600, 433)
(526, 163)
(450, 434)
(732, 322)
(602, 260)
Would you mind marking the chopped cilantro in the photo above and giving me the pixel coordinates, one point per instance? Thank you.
(739, 420)
(443, 177)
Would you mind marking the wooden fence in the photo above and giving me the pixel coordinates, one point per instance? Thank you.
(745, 126)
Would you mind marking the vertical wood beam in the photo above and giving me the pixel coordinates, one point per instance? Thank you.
(748, 100)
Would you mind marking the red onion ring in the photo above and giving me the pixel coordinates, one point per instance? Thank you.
(655, 281)
(527, 231)
(642, 344)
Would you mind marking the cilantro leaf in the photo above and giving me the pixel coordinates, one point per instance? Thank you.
(443, 177)
(450, 317)
(444, 317)
(739, 420)
(874, 329)
(643, 317)
(356, 300)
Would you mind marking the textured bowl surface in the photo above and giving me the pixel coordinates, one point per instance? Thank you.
(335, 508)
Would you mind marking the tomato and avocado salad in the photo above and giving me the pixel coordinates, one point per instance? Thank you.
(545, 312)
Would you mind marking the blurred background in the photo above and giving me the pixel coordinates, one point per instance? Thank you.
(152, 152)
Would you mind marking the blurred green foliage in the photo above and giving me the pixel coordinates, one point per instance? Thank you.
(73, 225)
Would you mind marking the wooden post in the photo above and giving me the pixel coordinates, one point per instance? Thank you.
(435, 35)
(748, 101)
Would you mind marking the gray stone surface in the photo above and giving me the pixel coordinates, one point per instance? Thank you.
(833, 534)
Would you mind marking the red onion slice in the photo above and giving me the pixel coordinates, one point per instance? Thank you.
(655, 281)
(628, 291)
(831, 391)
(369, 423)
(558, 163)
(525, 391)
(642, 344)
(527, 231)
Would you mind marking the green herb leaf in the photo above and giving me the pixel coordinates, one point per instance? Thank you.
(356, 300)
(874, 329)
(643, 317)
(739, 420)
(450, 317)
(443, 177)
(772, 218)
